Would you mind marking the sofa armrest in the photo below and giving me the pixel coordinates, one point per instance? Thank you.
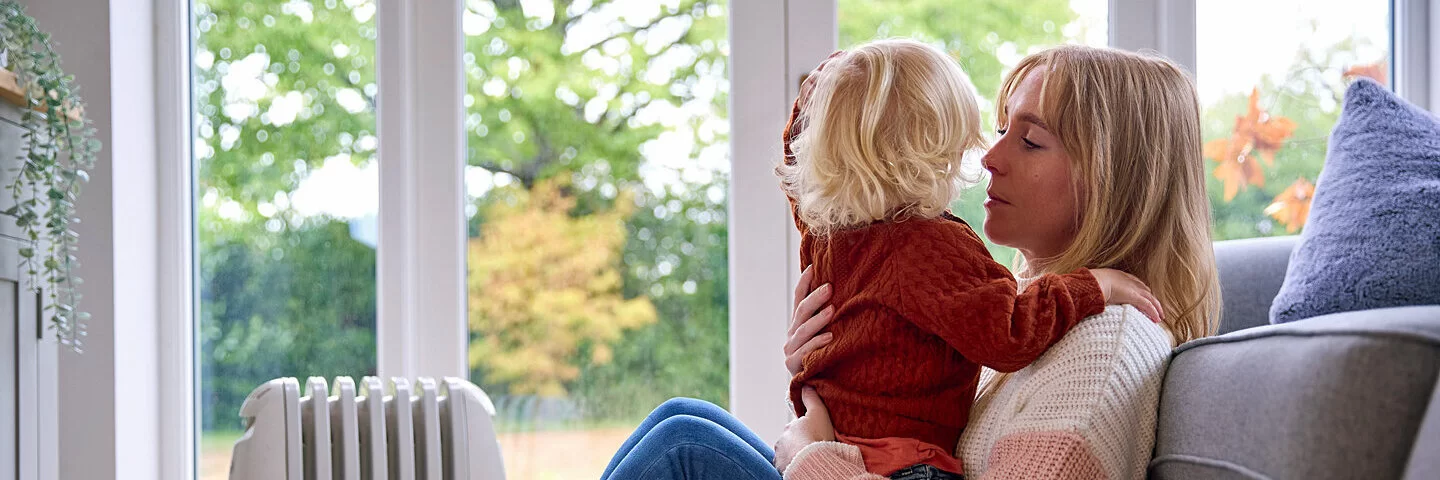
(1424, 463)
(1335, 396)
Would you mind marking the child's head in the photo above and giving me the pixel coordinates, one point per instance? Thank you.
(879, 135)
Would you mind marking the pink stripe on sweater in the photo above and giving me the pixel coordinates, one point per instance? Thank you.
(829, 461)
(1042, 455)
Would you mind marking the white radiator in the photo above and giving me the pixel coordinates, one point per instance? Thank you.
(425, 431)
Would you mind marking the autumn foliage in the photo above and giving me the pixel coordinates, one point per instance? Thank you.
(1292, 205)
(545, 289)
(1373, 71)
(1242, 157)
(1256, 136)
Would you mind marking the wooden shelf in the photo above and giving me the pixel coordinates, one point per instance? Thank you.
(10, 89)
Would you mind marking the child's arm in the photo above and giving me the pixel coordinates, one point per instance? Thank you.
(994, 325)
(956, 291)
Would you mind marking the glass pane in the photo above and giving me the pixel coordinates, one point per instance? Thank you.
(286, 200)
(1271, 76)
(987, 37)
(597, 177)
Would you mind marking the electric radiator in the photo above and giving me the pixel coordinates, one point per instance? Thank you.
(425, 431)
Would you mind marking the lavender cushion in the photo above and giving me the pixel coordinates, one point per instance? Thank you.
(1373, 236)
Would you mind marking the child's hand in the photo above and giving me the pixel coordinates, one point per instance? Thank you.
(1122, 288)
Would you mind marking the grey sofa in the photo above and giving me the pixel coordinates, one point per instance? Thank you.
(1342, 396)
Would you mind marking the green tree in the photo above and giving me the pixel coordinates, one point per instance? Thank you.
(281, 293)
(581, 91)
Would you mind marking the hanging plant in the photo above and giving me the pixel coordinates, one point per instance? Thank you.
(60, 148)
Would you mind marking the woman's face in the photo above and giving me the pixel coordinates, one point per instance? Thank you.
(1031, 205)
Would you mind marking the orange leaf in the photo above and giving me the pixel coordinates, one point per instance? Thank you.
(1292, 206)
(1257, 136)
(1265, 133)
(1374, 71)
(1237, 173)
(1270, 135)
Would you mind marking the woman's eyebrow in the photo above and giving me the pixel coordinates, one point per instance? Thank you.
(1032, 119)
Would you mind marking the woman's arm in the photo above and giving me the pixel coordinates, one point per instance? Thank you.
(807, 450)
(1044, 455)
(829, 461)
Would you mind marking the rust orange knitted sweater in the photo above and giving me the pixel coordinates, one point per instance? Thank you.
(923, 298)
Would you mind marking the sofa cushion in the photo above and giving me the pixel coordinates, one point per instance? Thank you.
(1336, 396)
(1373, 236)
(1251, 271)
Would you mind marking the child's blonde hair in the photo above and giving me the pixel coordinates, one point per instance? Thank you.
(884, 130)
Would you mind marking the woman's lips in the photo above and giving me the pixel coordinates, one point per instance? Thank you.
(994, 200)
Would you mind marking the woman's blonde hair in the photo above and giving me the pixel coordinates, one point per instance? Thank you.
(885, 127)
(1131, 126)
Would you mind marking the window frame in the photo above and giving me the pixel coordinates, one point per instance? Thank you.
(176, 300)
(421, 254)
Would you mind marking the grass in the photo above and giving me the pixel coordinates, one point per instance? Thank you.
(214, 457)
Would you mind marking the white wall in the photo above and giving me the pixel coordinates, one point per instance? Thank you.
(109, 405)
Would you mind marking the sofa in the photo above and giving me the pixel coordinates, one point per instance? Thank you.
(1342, 396)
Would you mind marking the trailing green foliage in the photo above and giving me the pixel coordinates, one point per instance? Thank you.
(60, 149)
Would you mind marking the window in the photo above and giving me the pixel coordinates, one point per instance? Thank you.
(1271, 76)
(596, 185)
(286, 198)
(987, 38)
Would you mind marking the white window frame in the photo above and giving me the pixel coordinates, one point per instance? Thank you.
(421, 326)
(177, 262)
(421, 290)
(764, 244)
(1415, 30)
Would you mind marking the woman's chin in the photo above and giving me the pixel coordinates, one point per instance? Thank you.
(995, 231)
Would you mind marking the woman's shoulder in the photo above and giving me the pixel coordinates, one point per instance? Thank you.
(1120, 329)
(1120, 341)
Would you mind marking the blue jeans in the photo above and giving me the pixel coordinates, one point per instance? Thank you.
(691, 439)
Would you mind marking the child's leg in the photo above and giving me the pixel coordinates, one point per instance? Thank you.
(685, 447)
(695, 408)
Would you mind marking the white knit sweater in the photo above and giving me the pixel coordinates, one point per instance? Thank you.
(1085, 409)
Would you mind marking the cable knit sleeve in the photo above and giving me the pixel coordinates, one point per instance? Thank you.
(829, 461)
(1084, 410)
(951, 287)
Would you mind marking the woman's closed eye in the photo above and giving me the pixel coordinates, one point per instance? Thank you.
(1028, 144)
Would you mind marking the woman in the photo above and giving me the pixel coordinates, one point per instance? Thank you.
(1097, 165)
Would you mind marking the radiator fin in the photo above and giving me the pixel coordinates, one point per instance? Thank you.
(376, 430)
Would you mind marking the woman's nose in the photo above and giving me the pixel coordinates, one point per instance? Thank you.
(991, 161)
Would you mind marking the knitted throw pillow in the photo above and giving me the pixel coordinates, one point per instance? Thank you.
(1373, 236)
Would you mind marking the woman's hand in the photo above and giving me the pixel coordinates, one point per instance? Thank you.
(1122, 288)
(814, 427)
(804, 321)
